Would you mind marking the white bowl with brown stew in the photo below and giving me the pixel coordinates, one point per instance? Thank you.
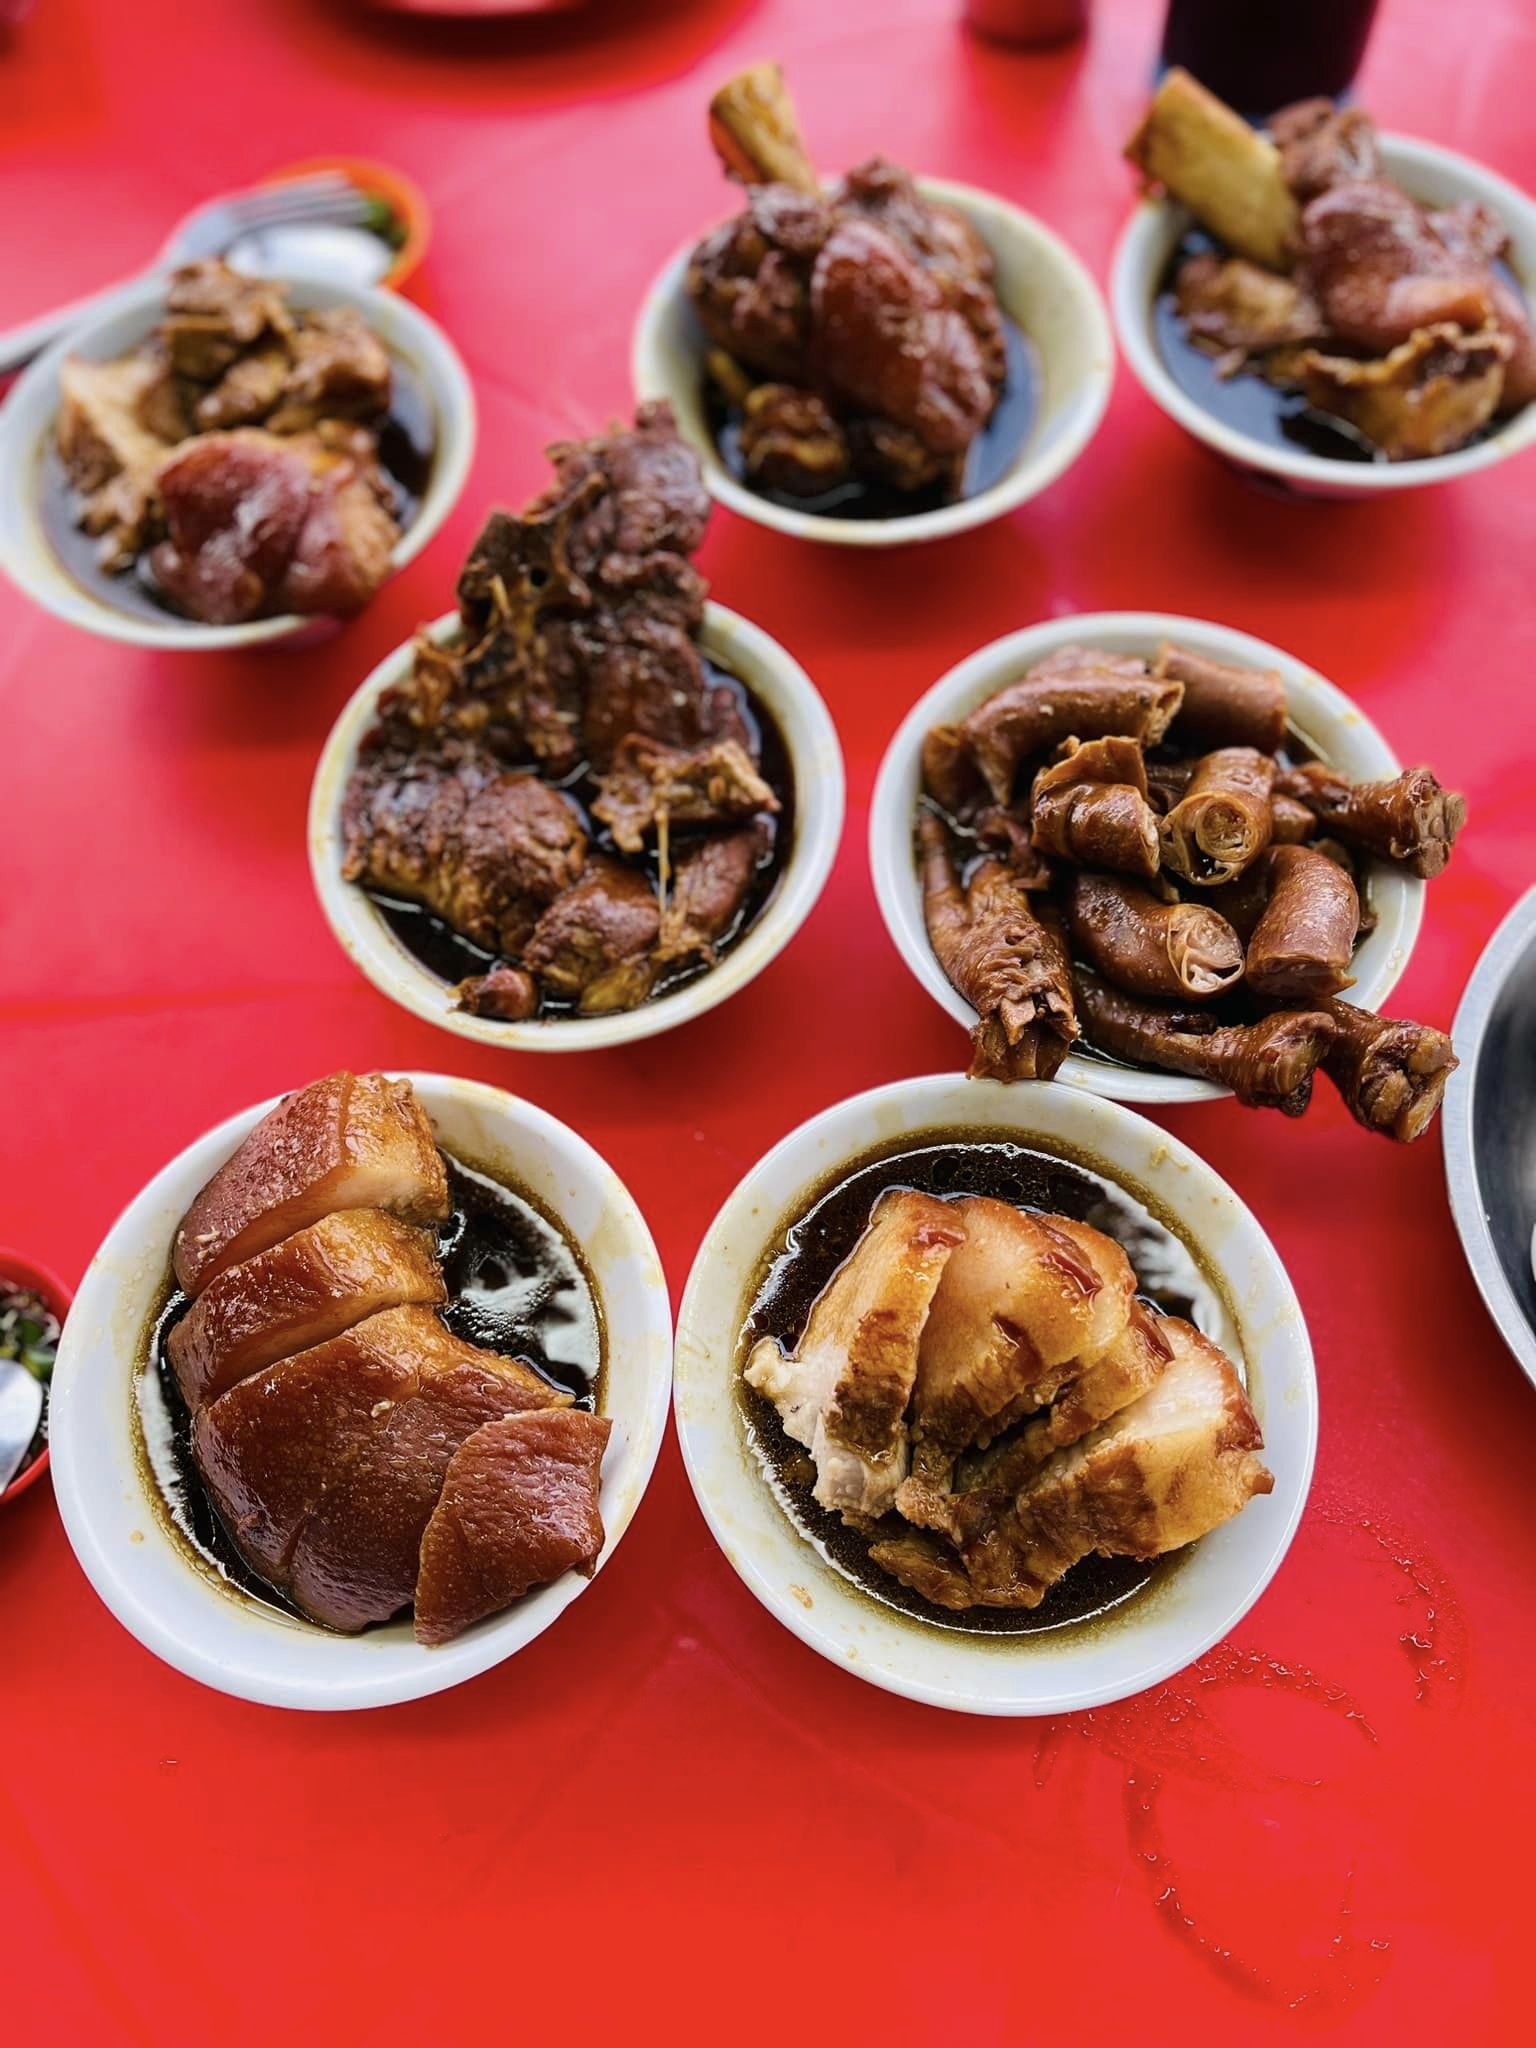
(997, 1398)
(1312, 739)
(1404, 392)
(459, 1269)
(310, 438)
(420, 960)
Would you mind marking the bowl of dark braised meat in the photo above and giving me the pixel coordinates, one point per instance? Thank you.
(587, 805)
(1342, 311)
(1168, 862)
(875, 360)
(215, 459)
(998, 1398)
(361, 1390)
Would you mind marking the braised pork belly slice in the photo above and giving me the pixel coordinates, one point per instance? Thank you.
(299, 1293)
(1023, 1303)
(326, 1467)
(1167, 1469)
(844, 1392)
(519, 1506)
(346, 1142)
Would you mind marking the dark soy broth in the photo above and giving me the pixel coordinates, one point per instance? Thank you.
(516, 1285)
(809, 1251)
(1248, 402)
(407, 439)
(992, 454)
(453, 958)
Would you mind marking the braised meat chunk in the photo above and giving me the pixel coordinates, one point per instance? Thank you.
(484, 847)
(257, 523)
(348, 1142)
(1384, 327)
(236, 452)
(564, 782)
(519, 1506)
(326, 1468)
(844, 1393)
(856, 335)
(300, 1292)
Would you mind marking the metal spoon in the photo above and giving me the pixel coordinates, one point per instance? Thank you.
(297, 224)
(21, 1410)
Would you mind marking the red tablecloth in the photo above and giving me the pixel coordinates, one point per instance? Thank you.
(667, 1815)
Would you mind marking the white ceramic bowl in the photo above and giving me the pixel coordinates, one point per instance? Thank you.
(1334, 727)
(1058, 1671)
(113, 1514)
(1438, 177)
(120, 323)
(1040, 284)
(810, 739)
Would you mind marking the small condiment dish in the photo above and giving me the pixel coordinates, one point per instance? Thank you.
(26, 1274)
(118, 324)
(1182, 1614)
(1042, 287)
(810, 741)
(165, 1593)
(1334, 728)
(1439, 177)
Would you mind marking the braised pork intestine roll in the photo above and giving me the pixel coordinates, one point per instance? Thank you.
(1303, 944)
(1267, 1065)
(1010, 965)
(1047, 706)
(1407, 818)
(1222, 822)
(1090, 806)
(1223, 705)
(1183, 952)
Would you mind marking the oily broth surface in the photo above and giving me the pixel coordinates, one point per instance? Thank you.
(807, 1250)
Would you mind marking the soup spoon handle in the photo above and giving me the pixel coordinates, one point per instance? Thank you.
(18, 345)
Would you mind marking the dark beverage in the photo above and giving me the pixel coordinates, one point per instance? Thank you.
(1261, 54)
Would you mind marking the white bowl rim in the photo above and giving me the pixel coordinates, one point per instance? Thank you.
(32, 406)
(1025, 480)
(424, 1671)
(1286, 1379)
(815, 759)
(1397, 898)
(1147, 223)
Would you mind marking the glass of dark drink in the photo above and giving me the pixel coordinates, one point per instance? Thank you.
(1261, 54)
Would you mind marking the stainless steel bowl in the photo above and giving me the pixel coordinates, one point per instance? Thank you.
(1489, 1128)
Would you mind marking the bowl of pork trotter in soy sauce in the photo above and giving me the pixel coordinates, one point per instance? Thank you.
(1336, 311)
(997, 1398)
(587, 805)
(213, 460)
(874, 360)
(1167, 862)
(361, 1390)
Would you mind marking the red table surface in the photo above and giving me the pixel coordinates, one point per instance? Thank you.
(667, 1815)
